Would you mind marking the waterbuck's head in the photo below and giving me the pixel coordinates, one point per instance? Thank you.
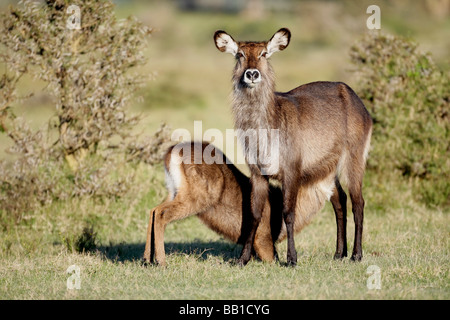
(252, 69)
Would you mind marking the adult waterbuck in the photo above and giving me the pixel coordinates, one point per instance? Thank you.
(324, 137)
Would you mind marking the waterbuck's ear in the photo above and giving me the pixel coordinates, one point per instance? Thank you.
(279, 41)
(225, 43)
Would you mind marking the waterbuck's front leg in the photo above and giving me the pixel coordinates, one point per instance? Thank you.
(259, 196)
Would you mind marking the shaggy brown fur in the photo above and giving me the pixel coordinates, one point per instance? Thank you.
(324, 132)
(219, 194)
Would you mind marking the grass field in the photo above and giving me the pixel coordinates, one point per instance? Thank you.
(409, 245)
(407, 241)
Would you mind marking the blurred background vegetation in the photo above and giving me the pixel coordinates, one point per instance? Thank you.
(401, 72)
(81, 136)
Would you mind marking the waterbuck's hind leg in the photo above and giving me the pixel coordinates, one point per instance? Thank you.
(356, 197)
(154, 247)
(149, 252)
(161, 216)
(358, 216)
(263, 245)
(339, 202)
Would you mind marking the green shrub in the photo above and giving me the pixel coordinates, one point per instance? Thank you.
(91, 75)
(83, 242)
(408, 97)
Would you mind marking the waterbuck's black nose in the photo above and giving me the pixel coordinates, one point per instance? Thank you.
(252, 74)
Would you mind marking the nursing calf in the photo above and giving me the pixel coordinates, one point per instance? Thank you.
(220, 195)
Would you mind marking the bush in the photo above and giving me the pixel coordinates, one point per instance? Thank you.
(408, 97)
(91, 75)
(82, 243)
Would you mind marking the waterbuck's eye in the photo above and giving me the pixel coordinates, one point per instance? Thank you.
(264, 54)
(239, 55)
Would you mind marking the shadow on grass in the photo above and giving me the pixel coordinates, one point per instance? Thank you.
(123, 252)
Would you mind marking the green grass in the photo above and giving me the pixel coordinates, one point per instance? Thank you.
(410, 243)
(410, 248)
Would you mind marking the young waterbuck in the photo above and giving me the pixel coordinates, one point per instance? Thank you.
(324, 137)
(219, 194)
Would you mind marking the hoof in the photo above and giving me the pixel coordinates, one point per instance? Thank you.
(356, 257)
(339, 256)
(242, 262)
(291, 264)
